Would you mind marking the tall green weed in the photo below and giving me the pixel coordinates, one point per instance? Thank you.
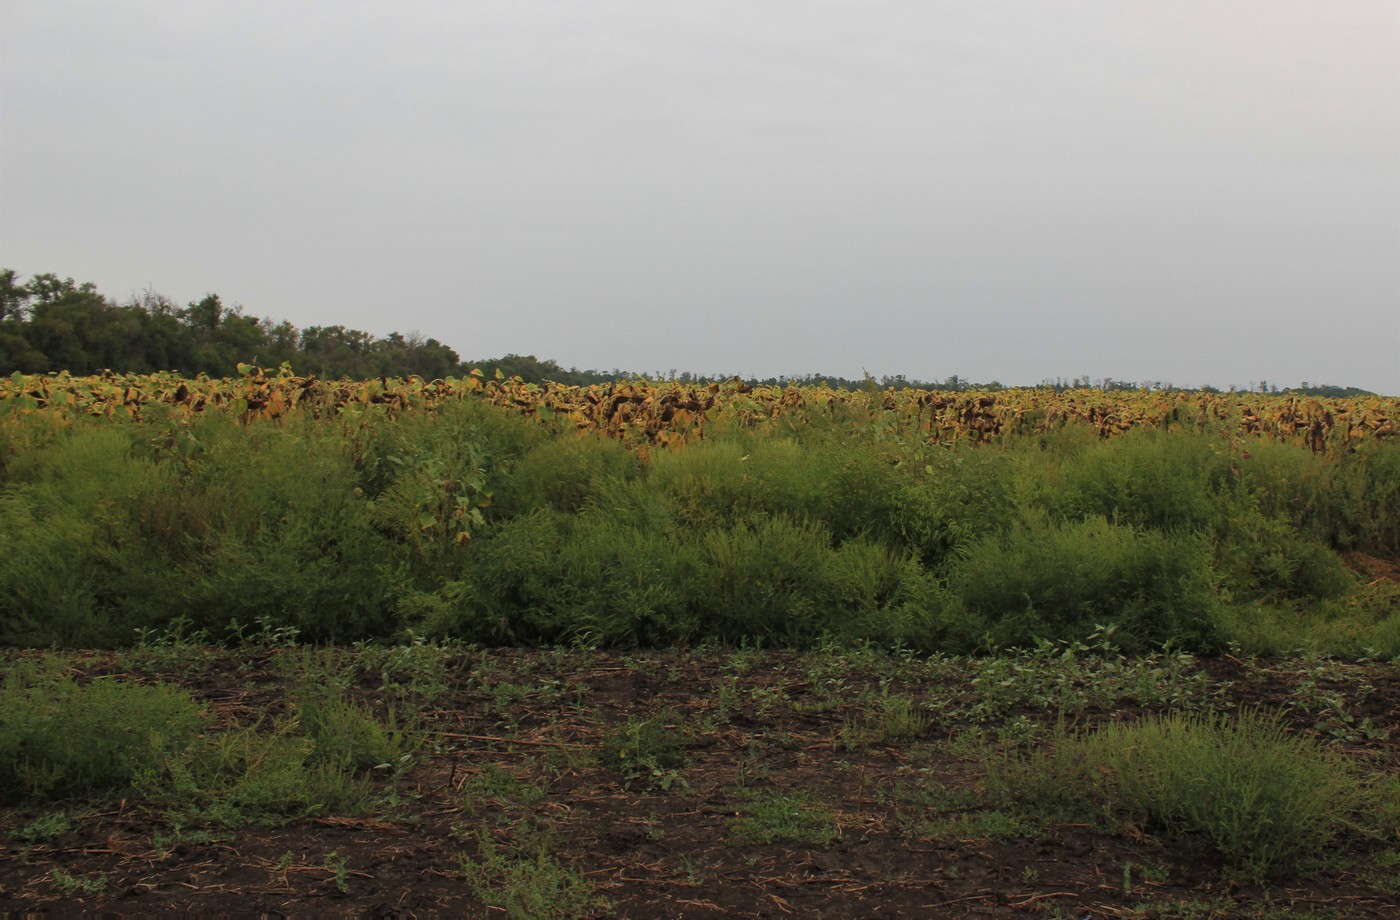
(1263, 800)
(61, 741)
(1049, 581)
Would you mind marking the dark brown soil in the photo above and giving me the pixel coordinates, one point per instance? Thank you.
(1373, 567)
(513, 752)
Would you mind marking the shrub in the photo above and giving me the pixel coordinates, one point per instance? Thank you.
(232, 522)
(1265, 559)
(1062, 581)
(62, 741)
(346, 735)
(765, 580)
(709, 483)
(848, 489)
(1145, 478)
(563, 474)
(74, 568)
(1262, 799)
(547, 578)
(1286, 482)
(883, 596)
(961, 497)
(288, 540)
(1363, 624)
(620, 584)
(47, 569)
(1360, 502)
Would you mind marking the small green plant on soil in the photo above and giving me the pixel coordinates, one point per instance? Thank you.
(1067, 678)
(651, 749)
(163, 841)
(330, 667)
(413, 671)
(930, 810)
(46, 827)
(728, 698)
(339, 867)
(75, 885)
(1218, 909)
(767, 701)
(752, 768)
(524, 881)
(495, 785)
(346, 734)
(254, 774)
(888, 718)
(1260, 798)
(177, 647)
(1331, 707)
(772, 816)
(1384, 872)
(744, 659)
(1133, 873)
(264, 633)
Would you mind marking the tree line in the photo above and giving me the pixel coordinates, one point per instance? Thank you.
(49, 324)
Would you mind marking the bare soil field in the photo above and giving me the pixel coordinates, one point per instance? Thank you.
(703, 783)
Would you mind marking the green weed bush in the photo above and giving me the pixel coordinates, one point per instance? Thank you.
(884, 596)
(505, 594)
(526, 882)
(1360, 507)
(849, 490)
(1363, 624)
(289, 540)
(470, 521)
(1177, 482)
(1263, 559)
(230, 523)
(548, 578)
(48, 574)
(74, 569)
(61, 741)
(345, 734)
(563, 474)
(1252, 507)
(626, 585)
(643, 748)
(765, 579)
(254, 773)
(1062, 581)
(960, 497)
(1287, 483)
(1349, 501)
(1244, 788)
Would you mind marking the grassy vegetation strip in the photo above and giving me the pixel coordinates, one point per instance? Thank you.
(474, 523)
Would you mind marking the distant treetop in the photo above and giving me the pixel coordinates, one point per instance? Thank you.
(48, 324)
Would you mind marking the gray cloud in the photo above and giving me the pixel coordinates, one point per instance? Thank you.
(1186, 191)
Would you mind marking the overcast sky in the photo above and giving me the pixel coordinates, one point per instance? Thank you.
(1193, 191)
